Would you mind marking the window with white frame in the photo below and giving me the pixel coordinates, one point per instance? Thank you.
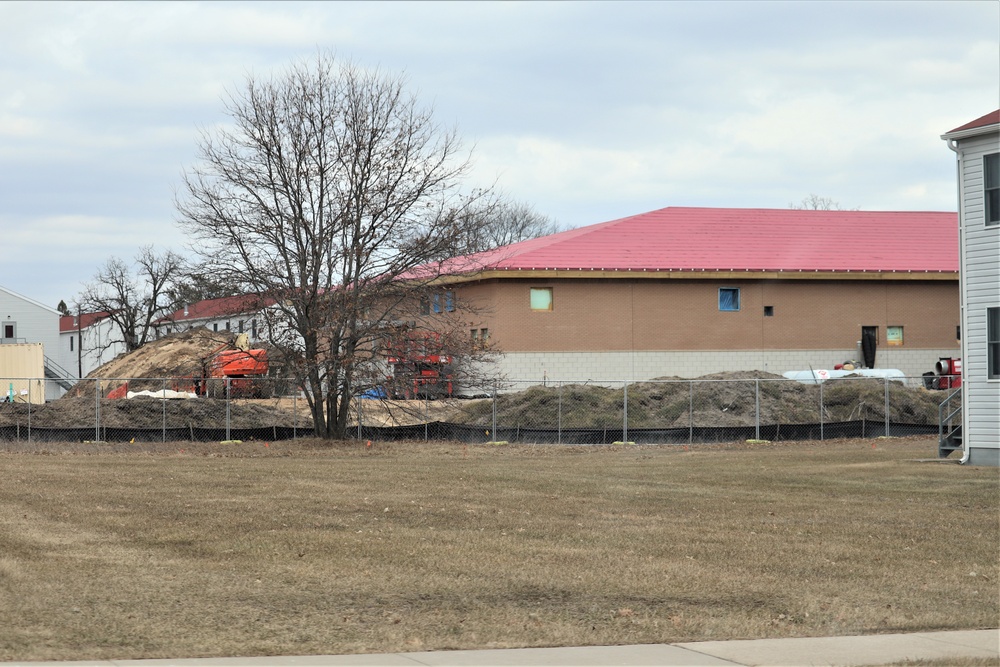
(993, 343)
(991, 188)
(729, 298)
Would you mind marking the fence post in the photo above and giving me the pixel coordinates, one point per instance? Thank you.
(756, 388)
(495, 411)
(295, 411)
(886, 381)
(690, 412)
(163, 403)
(821, 411)
(97, 410)
(559, 414)
(228, 399)
(625, 412)
(360, 415)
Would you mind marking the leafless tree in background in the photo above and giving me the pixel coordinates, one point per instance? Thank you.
(503, 222)
(328, 191)
(133, 295)
(814, 202)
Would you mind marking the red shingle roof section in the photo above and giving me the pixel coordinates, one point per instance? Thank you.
(69, 322)
(210, 308)
(714, 239)
(992, 118)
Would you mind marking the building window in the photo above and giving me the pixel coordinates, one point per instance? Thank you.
(991, 188)
(253, 328)
(480, 338)
(993, 343)
(768, 311)
(10, 330)
(70, 343)
(894, 336)
(444, 302)
(215, 326)
(729, 298)
(541, 298)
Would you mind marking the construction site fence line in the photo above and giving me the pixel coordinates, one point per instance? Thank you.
(672, 411)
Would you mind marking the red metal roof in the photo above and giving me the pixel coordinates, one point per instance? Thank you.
(992, 118)
(211, 308)
(719, 239)
(68, 322)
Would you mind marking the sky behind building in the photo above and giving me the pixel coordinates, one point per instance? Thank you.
(588, 111)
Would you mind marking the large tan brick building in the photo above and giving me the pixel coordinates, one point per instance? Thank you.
(691, 291)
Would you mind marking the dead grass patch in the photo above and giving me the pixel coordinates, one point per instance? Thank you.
(186, 550)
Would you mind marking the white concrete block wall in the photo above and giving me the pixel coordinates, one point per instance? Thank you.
(637, 366)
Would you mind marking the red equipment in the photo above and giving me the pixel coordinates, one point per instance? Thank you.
(949, 372)
(420, 366)
(236, 361)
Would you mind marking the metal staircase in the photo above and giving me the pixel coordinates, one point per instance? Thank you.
(949, 432)
(59, 375)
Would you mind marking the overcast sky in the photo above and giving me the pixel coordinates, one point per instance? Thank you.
(588, 111)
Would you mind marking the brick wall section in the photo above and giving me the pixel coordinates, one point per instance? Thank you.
(683, 314)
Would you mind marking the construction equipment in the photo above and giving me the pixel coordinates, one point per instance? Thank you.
(421, 368)
(947, 374)
(235, 367)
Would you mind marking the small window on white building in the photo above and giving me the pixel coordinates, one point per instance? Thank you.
(991, 188)
(10, 330)
(993, 343)
(70, 343)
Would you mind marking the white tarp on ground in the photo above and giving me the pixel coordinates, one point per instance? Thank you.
(822, 375)
(164, 393)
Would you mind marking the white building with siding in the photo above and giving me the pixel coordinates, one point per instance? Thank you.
(977, 147)
(24, 320)
(88, 341)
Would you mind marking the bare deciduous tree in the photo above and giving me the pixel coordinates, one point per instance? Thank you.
(504, 222)
(133, 295)
(814, 202)
(326, 192)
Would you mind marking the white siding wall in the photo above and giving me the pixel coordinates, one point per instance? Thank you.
(980, 285)
(101, 344)
(36, 323)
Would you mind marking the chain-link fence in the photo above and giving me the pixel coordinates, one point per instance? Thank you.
(667, 411)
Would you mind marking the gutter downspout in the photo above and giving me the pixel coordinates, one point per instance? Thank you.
(959, 155)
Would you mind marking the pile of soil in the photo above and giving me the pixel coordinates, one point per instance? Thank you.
(151, 413)
(174, 356)
(719, 399)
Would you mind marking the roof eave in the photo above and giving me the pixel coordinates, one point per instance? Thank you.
(972, 132)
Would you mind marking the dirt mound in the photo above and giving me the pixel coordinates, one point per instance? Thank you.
(719, 399)
(173, 356)
(170, 356)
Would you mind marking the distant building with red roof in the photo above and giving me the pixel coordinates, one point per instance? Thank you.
(238, 314)
(691, 291)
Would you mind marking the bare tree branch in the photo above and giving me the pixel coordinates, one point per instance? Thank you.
(133, 296)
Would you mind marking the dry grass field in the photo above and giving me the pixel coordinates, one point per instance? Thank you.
(182, 550)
